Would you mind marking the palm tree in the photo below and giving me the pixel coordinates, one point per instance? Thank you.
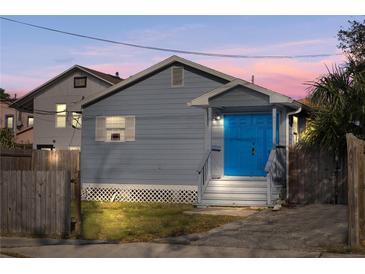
(339, 102)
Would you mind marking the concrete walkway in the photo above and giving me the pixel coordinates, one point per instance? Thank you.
(309, 231)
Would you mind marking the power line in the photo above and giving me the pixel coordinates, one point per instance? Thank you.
(170, 49)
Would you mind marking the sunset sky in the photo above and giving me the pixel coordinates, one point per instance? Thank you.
(29, 57)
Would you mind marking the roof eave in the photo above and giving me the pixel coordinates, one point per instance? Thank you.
(30, 95)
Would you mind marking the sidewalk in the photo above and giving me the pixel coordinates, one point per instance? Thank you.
(150, 250)
(162, 250)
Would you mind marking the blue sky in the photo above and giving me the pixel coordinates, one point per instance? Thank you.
(30, 57)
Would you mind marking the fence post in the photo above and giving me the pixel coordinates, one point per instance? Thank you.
(356, 201)
(77, 191)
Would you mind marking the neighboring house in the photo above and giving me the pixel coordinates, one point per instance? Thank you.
(182, 132)
(56, 106)
(20, 123)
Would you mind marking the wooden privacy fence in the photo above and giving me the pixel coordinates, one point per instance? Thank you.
(15, 159)
(35, 202)
(41, 160)
(315, 177)
(356, 191)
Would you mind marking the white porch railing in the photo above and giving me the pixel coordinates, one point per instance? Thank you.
(203, 171)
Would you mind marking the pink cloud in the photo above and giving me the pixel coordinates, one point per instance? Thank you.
(286, 76)
(19, 84)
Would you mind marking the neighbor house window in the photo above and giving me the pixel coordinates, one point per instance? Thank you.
(30, 121)
(76, 120)
(295, 130)
(80, 82)
(74, 148)
(177, 76)
(61, 115)
(115, 128)
(9, 121)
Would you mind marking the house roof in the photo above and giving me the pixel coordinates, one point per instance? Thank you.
(104, 76)
(24, 130)
(144, 73)
(274, 97)
(26, 102)
(229, 81)
(8, 100)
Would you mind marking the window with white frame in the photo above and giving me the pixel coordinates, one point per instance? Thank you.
(9, 121)
(295, 130)
(76, 120)
(115, 128)
(177, 76)
(61, 115)
(30, 121)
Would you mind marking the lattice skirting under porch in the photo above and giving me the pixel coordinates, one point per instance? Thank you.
(140, 193)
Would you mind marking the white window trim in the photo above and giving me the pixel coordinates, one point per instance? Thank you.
(61, 115)
(125, 129)
(172, 77)
(28, 118)
(106, 130)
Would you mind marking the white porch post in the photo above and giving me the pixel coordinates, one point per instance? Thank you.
(209, 138)
(274, 127)
(269, 178)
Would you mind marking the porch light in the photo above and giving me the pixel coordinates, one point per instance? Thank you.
(217, 117)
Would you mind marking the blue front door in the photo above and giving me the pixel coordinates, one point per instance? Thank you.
(247, 144)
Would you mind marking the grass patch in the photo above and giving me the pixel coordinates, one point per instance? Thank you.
(134, 222)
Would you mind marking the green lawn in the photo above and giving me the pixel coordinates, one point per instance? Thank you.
(131, 222)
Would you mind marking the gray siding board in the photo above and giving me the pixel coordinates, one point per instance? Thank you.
(169, 135)
(238, 97)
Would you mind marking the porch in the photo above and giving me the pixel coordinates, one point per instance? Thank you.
(246, 141)
(245, 162)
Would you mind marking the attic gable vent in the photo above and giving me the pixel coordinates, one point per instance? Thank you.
(177, 76)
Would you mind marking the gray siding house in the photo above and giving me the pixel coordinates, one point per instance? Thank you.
(182, 132)
(56, 106)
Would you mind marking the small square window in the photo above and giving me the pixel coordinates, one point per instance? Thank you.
(80, 82)
(30, 121)
(177, 77)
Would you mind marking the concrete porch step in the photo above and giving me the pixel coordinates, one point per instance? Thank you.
(232, 203)
(242, 178)
(233, 184)
(237, 190)
(235, 196)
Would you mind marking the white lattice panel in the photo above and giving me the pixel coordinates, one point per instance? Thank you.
(140, 193)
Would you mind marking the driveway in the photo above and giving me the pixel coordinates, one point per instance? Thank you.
(308, 231)
(312, 227)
